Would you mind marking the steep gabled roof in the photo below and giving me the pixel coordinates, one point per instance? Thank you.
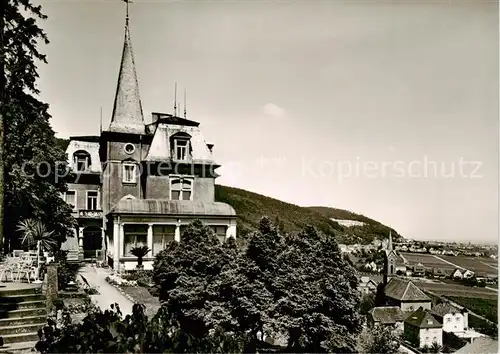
(422, 319)
(387, 314)
(404, 290)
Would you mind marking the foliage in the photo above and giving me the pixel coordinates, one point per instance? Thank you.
(117, 280)
(36, 168)
(216, 298)
(66, 272)
(143, 278)
(295, 286)
(140, 253)
(191, 280)
(367, 303)
(34, 231)
(378, 339)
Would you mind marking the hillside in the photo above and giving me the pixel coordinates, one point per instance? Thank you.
(250, 207)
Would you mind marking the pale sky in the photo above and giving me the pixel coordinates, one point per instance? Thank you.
(294, 94)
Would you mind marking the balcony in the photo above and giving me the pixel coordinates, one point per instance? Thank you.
(90, 214)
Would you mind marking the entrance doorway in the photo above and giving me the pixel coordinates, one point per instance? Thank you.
(92, 241)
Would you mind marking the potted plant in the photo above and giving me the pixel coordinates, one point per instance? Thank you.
(35, 233)
(140, 253)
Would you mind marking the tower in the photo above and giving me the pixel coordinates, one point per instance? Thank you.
(389, 260)
(122, 144)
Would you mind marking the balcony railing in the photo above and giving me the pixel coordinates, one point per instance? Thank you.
(90, 214)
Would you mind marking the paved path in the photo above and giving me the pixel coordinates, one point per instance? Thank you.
(453, 264)
(108, 294)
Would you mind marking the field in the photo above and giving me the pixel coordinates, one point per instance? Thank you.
(476, 264)
(458, 290)
(427, 260)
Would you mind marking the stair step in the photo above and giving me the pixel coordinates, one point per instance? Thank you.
(24, 313)
(24, 328)
(22, 291)
(22, 305)
(20, 337)
(5, 322)
(21, 298)
(21, 347)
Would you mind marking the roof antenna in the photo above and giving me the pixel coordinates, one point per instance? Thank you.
(185, 103)
(100, 128)
(175, 100)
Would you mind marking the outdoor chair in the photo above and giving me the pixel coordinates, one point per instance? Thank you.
(25, 268)
(9, 266)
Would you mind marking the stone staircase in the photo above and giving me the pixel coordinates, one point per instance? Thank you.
(22, 313)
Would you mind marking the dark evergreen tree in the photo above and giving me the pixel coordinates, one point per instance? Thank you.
(33, 169)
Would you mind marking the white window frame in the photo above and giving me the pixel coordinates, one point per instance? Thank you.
(76, 197)
(75, 162)
(186, 147)
(135, 235)
(134, 172)
(97, 204)
(181, 178)
(163, 237)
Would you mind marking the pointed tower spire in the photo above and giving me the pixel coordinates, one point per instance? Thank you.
(389, 245)
(127, 110)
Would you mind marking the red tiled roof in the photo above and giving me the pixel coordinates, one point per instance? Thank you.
(404, 290)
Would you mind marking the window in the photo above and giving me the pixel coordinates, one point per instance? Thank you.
(181, 149)
(129, 173)
(448, 319)
(134, 236)
(457, 318)
(161, 236)
(220, 232)
(81, 161)
(434, 339)
(181, 188)
(92, 200)
(129, 148)
(70, 198)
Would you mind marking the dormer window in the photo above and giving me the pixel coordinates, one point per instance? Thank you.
(81, 161)
(181, 147)
(181, 188)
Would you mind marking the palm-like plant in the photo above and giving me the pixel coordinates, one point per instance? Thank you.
(140, 253)
(35, 233)
(435, 348)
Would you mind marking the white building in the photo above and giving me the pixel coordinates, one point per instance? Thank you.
(422, 329)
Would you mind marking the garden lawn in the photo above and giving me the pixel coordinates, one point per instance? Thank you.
(141, 295)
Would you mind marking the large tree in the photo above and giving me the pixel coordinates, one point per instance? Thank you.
(32, 168)
(315, 300)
